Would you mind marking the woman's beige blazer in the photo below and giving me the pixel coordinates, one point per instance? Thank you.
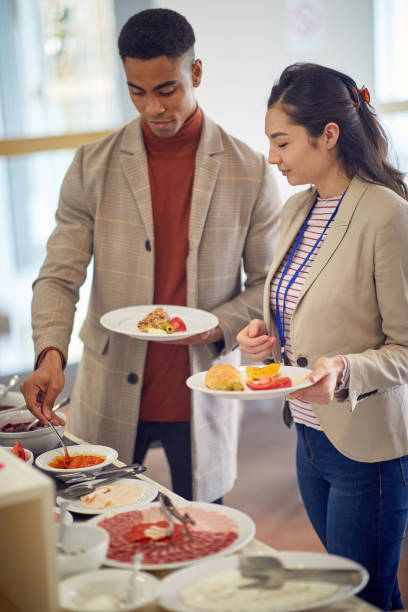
(355, 303)
(105, 214)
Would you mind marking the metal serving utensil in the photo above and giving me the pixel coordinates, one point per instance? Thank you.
(64, 402)
(67, 455)
(269, 573)
(167, 514)
(77, 490)
(12, 383)
(184, 519)
(136, 565)
(131, 470)
(61, 527)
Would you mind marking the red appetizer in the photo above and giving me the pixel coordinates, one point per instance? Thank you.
(18, 451)
(269, 382)
(145, 531)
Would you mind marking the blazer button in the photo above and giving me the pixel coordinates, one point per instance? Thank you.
(133, 378)
(148, 246)
(302, 362)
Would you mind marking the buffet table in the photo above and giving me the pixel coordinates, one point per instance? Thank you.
(255, 546)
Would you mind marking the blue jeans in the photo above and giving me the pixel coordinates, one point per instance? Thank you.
(359, 510)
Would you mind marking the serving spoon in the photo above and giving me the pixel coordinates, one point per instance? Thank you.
(61, 528)
(67, 455)
(12, 383)
(136, 565)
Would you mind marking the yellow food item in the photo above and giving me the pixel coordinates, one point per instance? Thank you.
(255, 372)
(155, 319)
(167, 327)
(224, 377)
(155, 331)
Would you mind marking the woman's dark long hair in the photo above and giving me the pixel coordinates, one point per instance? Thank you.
(314, 95)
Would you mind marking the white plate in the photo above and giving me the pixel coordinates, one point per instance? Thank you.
(125, 321)
(43, 460)
(171, 586)
(76, 591)
(246, 531)
(150, 492)
(196, 382)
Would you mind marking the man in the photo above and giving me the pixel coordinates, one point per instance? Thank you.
(169, 207)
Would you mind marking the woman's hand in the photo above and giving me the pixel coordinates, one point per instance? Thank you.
(327, 372)
(254, 342)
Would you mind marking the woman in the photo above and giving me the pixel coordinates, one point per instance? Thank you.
(336, 300)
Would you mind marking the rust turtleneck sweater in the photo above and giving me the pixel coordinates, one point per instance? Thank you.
(165, 396)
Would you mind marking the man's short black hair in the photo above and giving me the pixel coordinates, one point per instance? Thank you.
(155, 32)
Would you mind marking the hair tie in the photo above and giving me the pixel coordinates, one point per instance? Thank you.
(364, 94)
(360, 95)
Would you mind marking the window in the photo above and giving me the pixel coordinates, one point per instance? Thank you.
(391, 44)
(58, 75)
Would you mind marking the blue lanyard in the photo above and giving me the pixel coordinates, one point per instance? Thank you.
(280, 321)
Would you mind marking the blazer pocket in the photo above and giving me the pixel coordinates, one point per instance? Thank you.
(94, 337)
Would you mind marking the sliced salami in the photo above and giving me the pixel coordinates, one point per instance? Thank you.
(212, 533)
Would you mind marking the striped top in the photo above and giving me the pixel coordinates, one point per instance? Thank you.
(302, 412)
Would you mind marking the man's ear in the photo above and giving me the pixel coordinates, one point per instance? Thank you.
(197, 72)
(331, 134)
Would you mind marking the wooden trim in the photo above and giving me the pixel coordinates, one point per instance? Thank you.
(388, 108)
(23, 146)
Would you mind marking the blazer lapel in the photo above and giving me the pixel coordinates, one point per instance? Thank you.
(207, 167)
(133, 159)
(290, 229)
(335, 234)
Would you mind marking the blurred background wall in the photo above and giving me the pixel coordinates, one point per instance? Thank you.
(61, 84)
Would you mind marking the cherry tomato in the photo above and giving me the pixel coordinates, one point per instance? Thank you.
(178, 324)
(268, 382)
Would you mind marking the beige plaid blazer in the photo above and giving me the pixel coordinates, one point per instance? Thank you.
(105, 213)
(355, 303)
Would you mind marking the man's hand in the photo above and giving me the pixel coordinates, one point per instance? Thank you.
(327, 372)
(41, 388)
(254, 342)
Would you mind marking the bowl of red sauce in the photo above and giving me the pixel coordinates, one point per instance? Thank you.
(13, 427)
(82, 458)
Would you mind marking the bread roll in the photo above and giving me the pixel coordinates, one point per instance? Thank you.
(224, 377)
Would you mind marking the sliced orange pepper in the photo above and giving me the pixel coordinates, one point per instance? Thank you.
(256, 372)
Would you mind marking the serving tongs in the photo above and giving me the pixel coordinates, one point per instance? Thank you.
(268, 572)
(84, 488)
(171, 511)
(132, 470)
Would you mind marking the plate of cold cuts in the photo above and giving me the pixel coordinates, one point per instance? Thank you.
(218, 530)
